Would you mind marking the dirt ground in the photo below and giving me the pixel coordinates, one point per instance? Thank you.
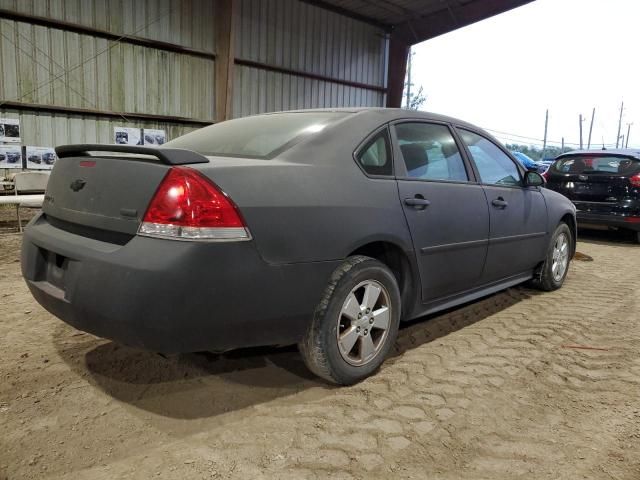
(497, 389)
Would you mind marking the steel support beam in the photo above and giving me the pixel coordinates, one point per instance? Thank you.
(455, 16)
(55, 109)
(225, 58)
(96, 32)
(309, 75)
(398, 53)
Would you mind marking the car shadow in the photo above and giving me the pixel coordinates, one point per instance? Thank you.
(606, 237)
(186, 386)
(432, 327)
(205, 385)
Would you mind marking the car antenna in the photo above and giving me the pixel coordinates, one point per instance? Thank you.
(603, 147)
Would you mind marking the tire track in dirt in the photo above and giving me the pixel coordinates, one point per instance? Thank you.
(484, 391)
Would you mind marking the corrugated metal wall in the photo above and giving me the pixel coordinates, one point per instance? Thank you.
(183, 22)
(50, 66)
(298, 36)
(48, 129)
(258, 91)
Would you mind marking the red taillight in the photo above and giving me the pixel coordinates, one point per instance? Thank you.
(545, 175)
(187, 205)
(635, 180)
(632, 219)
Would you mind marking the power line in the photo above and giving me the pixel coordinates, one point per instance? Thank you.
(533, 139)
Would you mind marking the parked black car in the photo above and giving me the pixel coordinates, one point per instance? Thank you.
(322, 228)
(603, 184)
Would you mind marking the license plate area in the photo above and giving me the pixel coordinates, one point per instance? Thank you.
(595, 207)
(52, 268)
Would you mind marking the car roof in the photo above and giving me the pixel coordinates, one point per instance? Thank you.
(616, 152)
(390, 114)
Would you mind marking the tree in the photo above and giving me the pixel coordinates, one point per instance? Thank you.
(535, 153)
(417, 100)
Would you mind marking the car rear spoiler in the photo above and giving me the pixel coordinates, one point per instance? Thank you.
(168, 156)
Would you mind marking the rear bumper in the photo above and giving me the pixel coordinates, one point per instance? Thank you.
(608, 220)
(170, 296)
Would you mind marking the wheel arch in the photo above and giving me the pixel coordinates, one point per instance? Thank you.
(400, 264)
(570, 220)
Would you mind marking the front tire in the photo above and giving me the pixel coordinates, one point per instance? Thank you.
(556, 265)
(356, 323)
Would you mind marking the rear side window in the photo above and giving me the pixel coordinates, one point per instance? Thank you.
(585, 165)
(261, 136)
(430, 152)
(375, 157)
(494, 166)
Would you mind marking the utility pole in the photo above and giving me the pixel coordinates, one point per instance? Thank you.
(619, 125)
(580, 120)
(593, 114)
(546, 124)
(409, 79)
(628, 134)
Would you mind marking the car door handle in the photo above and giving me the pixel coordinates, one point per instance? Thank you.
(417, 202)
(499, 203)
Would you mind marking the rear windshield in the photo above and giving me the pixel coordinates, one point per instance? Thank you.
(261, 136)
(596, 164)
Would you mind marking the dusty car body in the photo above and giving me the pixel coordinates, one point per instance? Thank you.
(332, 226)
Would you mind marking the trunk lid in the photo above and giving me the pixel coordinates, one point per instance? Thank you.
(109, 193)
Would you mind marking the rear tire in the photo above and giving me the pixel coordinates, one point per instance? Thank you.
(556, 265)
(637, 236)
(356, 323)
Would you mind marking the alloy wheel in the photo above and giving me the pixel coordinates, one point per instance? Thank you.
(363, 323)
(560, 257)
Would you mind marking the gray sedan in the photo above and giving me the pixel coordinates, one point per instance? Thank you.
(324, 228)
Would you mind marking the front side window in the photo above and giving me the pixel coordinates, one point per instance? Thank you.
(494, 166)
(375, 157)
(430, 152)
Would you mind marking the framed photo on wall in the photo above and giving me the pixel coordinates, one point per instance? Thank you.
(127, 136)
(9, 130)
(40, 158)
(10, 156)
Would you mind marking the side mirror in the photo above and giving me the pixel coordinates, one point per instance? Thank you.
(533, 179)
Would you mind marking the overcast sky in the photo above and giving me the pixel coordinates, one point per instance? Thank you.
(565, 55)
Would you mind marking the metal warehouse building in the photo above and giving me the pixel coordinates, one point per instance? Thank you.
(72, 70)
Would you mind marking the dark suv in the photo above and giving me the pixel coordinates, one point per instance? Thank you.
(604, 185)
